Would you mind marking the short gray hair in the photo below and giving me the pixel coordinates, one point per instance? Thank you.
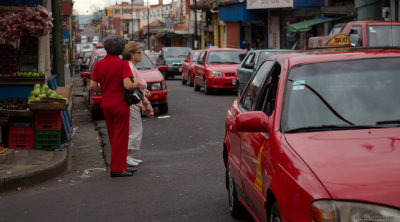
(114, 44)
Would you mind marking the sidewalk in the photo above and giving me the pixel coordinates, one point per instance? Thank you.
(24, 167)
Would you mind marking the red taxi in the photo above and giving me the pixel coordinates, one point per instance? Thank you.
(91, 59)
(156, 83)
(187, 67)
(94, 99)
(315, 136)
(216, 69)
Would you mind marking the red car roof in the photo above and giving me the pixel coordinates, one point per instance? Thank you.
(334, 54)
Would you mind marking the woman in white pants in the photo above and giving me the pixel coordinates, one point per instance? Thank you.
(133, 54)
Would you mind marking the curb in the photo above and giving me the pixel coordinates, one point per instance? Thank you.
(32, 176)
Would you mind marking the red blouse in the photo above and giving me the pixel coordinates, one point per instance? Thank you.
(108, 73)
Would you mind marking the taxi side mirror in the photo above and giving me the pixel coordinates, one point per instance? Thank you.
(256, 121)
(249, 66)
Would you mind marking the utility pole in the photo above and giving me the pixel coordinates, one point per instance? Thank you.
(148, 24)
(195, 43)
(58, 58)
(132, 18)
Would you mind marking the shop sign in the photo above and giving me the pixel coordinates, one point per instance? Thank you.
(260, 4)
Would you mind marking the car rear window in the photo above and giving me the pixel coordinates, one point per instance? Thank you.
(383, 35)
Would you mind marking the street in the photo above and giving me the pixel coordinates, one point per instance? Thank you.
(182, 177)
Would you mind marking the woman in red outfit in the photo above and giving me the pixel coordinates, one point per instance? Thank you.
(111, 75)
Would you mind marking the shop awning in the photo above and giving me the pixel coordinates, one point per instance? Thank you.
(308, 24)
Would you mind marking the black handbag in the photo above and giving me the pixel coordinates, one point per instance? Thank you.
(132, 96)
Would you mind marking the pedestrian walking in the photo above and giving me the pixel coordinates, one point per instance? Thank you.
(112, 75)
(133, 54)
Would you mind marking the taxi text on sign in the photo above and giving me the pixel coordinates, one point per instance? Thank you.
(259, 4)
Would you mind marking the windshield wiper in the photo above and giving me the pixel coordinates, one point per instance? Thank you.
(141, 68)
(332, 127)
(325, 103)
(388, 122)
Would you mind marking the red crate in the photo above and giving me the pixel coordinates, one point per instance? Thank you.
(47, 119)
(21, 138)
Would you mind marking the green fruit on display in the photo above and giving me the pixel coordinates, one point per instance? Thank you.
(36, 92)
(34, 70)
(42, 91)
(41, 75)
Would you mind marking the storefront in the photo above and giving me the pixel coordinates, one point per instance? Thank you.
(33, 109)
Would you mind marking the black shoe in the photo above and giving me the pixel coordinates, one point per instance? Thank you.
(123, 174)
(131, 170)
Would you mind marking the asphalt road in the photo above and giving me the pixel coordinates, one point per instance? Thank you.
(182, 177)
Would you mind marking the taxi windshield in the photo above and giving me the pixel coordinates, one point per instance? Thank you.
(348, 93)
(224, 57)
(146, 63)
(383, 35)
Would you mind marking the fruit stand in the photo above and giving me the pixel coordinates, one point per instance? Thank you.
(30, 112)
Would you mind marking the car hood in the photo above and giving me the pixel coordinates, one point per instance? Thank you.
(174, 60)
(223, 67)
(359, 165)
(151, 75)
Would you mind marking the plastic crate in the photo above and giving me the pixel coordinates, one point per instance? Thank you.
(47, 119)
(47, 139)
(21, 138)
(17, 122)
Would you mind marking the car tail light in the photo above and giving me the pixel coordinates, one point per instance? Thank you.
(163, 68)
(84, 74)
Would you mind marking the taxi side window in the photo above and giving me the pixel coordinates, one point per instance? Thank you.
(249, 61)
(268, 95)
(356, 36)
(253, 91)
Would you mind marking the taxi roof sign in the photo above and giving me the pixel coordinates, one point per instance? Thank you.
(334, 40)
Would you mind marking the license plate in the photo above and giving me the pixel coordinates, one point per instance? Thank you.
(233, 82)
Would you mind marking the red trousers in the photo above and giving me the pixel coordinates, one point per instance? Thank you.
(117, 121)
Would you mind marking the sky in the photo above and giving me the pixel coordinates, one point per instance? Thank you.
(84, 7)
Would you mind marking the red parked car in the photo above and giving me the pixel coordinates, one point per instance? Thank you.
(315, 136)
(155, 84)
(94, 98)
(216, 69)
(187, 67)
(91, 59)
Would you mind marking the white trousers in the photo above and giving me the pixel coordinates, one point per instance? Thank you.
(135, 128)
